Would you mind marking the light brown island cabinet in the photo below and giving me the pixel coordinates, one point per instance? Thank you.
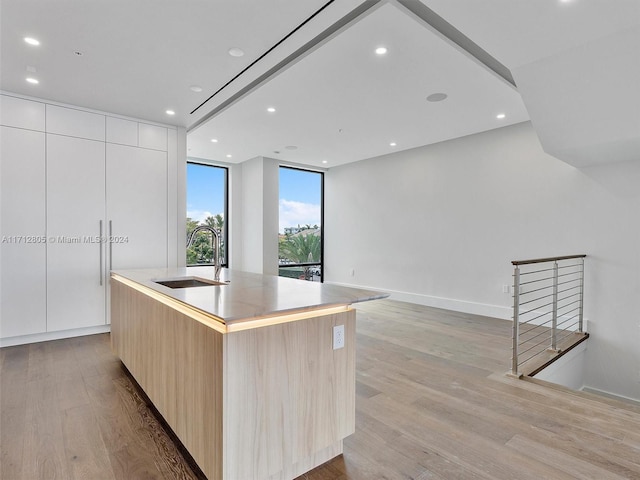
(245, 373)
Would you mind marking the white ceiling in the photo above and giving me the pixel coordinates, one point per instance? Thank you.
(517, 32)
(338, 102)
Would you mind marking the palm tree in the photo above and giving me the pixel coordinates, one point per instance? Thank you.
(192, 254)
(201, 251)
(300, 249)
(217, 222)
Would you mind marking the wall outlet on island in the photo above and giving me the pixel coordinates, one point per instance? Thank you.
(338, 337)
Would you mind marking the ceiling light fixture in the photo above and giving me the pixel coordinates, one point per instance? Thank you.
(236, 52)
(393, 144)
(381, 50)
(214, 140)
(324, 161)
(32, 80)
(195, 88)
(271, 110)
(229, 156)
(437, 97)
(170, 112)
(32, 41)
(500, 116)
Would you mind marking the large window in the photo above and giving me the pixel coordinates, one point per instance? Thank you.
(206, 205)
(300, 246)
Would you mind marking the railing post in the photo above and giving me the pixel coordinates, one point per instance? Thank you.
(516, 306)
(580, 311)
(554, 312)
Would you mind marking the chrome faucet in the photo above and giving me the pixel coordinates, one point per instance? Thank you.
(215, 244)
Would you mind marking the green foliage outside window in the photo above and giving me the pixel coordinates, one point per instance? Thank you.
(300, 248)
(201, 251)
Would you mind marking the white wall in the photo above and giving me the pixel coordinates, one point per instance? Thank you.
(440, 224)
(568, 370)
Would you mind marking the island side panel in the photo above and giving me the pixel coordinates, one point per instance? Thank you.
(289, 397)
(178, 363)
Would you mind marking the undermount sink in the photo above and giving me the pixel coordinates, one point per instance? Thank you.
(189, 282)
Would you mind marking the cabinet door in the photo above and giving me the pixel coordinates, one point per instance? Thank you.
(136, 207)
(22, 229)
(75, 208)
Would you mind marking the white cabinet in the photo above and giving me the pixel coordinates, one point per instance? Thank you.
(67, 177)
(21, 113)
(75, 220)
(22, 229)
(136, 207)
(122, 131)
(152, 136)
(75, 123)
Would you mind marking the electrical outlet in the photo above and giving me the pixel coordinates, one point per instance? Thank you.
(338, 337)
(506, 288)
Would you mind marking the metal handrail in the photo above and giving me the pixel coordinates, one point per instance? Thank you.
(552, 321)
(545, 260)
(304, 264)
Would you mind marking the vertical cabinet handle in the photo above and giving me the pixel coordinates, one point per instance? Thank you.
(110, 246)
(100, 246)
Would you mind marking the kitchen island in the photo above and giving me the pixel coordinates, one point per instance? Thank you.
(244, 370)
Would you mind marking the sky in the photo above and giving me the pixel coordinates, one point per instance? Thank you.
(300, 198)
(205, 191)
(300, 195)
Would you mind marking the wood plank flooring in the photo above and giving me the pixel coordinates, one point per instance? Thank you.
(432, 403)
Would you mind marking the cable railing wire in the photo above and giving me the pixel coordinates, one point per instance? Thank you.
(554, 314)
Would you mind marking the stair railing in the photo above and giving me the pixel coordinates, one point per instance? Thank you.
(548, 299)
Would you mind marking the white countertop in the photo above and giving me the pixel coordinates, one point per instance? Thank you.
(248, 295)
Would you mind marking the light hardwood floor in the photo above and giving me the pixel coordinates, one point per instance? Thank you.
(432, 403)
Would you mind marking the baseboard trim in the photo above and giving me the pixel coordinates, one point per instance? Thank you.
(483, 309)
(613, 396)
(48, 336)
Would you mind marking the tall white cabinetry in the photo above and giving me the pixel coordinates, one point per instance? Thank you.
(75, 225)
(136, 207)
(82, 193)
(22, 230)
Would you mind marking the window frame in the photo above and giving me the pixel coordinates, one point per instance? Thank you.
(321, 173)
(227, 222)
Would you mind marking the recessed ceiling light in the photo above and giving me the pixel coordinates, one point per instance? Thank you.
(393, 144)
(214, 140)
(437, 97)
(195, 88)
(170, 112)
(32, 41)
(271, 110)
(381, 50)
(500, 116)
(32, 80)
(324, 161)
(229, 156)
(236, 52)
